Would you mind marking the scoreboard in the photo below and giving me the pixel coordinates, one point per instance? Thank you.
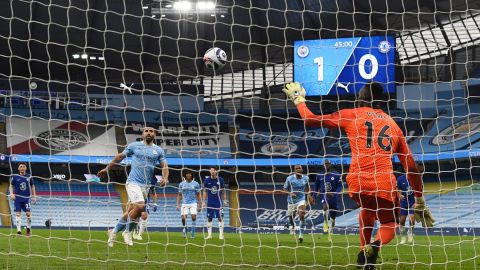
(344, 65)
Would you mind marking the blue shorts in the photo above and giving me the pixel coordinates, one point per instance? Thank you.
(406, 207)
(21, 204)
(331, 202)
(214, 212)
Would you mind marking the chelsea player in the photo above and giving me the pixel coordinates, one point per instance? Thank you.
(214, 192)
(189, 195)
(145, 156)
(327, 187)
(407, 202)
(297, 185)
(22, 192)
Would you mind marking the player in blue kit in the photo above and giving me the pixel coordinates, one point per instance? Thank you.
(214, 191)
(327, 187)
(22, 192)
(189, 196)
(407, 202)
(298, 189)
(145, 156)
(150, 203)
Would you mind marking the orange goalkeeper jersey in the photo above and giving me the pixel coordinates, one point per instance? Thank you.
(374, 138)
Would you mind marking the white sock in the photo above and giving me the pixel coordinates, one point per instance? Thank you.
(18, 220)
(209, 228)
(29, 222)
(402, 230)
(220, 227)
(142, 226)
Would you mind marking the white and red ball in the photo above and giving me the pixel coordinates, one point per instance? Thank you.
(215, 58)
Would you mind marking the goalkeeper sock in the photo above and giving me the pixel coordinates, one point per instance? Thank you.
(209, 228)
(386, 233)
(120, 225)
(220, 227)
(142, 226)
(29, 222)
(366, 221)
(18, 220)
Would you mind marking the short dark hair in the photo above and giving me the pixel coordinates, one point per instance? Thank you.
(187, 172)
(373, 95)
(22, 163)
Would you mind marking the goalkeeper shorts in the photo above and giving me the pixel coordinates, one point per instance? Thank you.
(386, 211)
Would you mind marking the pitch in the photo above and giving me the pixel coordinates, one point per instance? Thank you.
(80, 249)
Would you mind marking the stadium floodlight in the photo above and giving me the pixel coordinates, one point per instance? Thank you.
(205, 5)
(182, 5)
(93, 58)
(145, 7)
(76, 56)
(101, 58)
(84, 56)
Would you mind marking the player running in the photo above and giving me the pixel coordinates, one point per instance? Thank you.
(145, 155)
(150, 202)
(327, 187)
(22, 192)
(407, 201)
(374, 137)
(189, 195)
(214, 190)
(297, 186)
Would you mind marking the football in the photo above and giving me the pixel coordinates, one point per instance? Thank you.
(215, 58)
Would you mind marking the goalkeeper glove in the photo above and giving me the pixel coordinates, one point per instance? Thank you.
(154, 206)
(295, 92)
(422, 213)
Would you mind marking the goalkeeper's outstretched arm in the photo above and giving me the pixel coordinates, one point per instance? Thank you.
(297, 94)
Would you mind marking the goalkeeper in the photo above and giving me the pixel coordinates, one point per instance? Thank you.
(374, 137)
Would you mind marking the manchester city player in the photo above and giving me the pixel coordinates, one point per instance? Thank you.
(214, 190)
(150, 203)
(22, 192)
(189, 196)
(145, 155)
(297, 186)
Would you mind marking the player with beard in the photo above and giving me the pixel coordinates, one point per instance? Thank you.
(145, 156)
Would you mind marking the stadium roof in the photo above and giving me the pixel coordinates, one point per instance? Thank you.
(44, 36)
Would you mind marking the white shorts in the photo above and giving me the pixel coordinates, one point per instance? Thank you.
(292, 208)
(190, 208)
(136, 193)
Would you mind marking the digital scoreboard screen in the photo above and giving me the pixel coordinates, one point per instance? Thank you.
(343, 65)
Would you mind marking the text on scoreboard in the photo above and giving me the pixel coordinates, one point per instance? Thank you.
(344, 65)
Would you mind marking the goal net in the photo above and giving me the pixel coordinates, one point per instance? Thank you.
(81, 79)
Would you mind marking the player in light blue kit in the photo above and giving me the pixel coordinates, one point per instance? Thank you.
(145, 156)
(327, 187)
(189, 195)
(22, 190)
(214, 190)
(297, 186)
(150, 203)
(407, 202)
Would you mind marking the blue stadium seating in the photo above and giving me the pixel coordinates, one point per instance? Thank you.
(82, 211)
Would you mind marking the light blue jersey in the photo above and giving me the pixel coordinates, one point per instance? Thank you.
(144, 159)
(189, 191)
(292, 184)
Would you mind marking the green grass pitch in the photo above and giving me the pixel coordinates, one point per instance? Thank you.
(80, 249)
